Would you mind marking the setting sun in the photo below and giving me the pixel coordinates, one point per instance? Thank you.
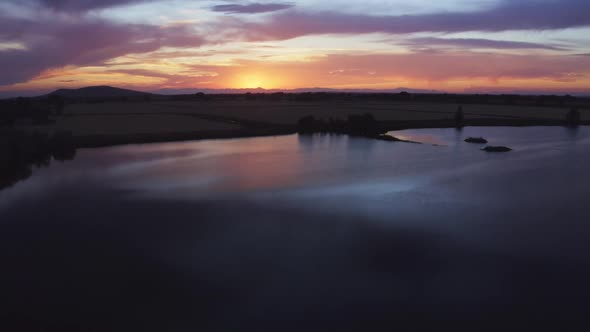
(252, 81)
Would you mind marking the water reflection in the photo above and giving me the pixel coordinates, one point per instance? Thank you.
(306, 142)
(573, 131)
(288, 162)
(293, 233)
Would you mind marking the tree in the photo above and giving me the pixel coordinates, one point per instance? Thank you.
(573, 117)
(58, 104)
(307, 125)
(363, 125)
(7, 116)
(459, 116)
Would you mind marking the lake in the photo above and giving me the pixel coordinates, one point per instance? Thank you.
(299, 232)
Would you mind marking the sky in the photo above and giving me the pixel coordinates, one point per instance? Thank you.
(475, 46)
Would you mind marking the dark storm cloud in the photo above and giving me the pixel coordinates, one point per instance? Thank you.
(253, 8)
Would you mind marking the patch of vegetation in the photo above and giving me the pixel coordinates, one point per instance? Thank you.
(355, 125)
(35, 111)
(476, 140)
(573, 118)
(496, 149)
(20, 151)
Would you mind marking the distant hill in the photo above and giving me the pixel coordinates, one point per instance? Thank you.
(98, 92)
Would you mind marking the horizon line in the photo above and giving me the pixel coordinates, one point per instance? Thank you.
(9, 94)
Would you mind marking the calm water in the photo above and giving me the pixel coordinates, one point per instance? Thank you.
(331, 230)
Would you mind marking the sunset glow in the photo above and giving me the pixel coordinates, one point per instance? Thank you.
(255, 80)
(455, 45)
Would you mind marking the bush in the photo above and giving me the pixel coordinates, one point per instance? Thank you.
(573, 117)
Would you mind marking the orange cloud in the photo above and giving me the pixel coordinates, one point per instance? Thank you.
(447, 71)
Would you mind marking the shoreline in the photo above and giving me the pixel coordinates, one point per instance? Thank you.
(39, 149)
(443, 124)
(100, 141)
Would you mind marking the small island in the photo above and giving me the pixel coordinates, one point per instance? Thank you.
(476, 140)
(496, 149)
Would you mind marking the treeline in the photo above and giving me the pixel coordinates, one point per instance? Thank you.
(32, 110)
(565, 101)
(516, 100)
(367, 126)
(356, 125)
(21, 151)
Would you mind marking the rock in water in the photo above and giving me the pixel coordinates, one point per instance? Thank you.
(476, 140)
(496, 149)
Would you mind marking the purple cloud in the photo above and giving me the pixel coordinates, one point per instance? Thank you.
(253, 8)
(54, 41)
(54, 44)
(82, 5)
(479, 43)
(508, 15)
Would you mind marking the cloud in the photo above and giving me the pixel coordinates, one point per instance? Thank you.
(479, 43)
(52, 43)
(253, 8)
(508, 15)
(440, 70)
(79, 5)
(428, 66)
(77, 37)
(441, 66)
(512, 90)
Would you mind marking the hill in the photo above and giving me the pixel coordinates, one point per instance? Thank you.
(98, 92)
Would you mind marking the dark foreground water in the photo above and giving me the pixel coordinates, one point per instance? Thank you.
(304, 233)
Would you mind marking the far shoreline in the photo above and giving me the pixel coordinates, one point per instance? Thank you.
(30, 149)
(101, 141)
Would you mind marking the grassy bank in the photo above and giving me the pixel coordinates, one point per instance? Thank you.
(94, 141)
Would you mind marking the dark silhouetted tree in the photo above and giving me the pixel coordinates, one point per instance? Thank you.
(7, 117)
(62, 146)
(573, 117)
(363, 125)
(19, 151)
(459, 116)
(306, 125)
(58, 104)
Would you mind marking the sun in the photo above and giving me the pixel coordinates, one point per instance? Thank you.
(252, 81)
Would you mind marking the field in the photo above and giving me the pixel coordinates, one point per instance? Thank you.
(142, 117)
(108, 122)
